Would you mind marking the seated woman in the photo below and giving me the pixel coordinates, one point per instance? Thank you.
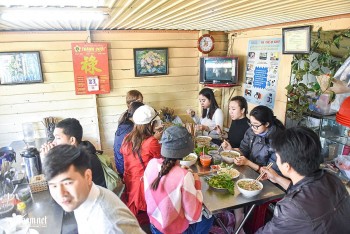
(138, 148)
(255, 146)
(173, 194)
(238, 109)
(212, 120)
(125, 125)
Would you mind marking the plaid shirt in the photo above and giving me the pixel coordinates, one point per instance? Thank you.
(178, 200)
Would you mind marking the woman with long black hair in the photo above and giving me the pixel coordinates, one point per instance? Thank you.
(212, 119)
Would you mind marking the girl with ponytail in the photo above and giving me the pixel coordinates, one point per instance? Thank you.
(173, 194)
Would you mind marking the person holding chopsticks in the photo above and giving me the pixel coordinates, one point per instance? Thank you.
(212, 119)
(316, 200)
(255, 147)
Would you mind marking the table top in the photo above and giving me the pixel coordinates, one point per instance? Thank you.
(216, 201)
(44, 214)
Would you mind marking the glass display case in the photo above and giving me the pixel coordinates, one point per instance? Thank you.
(334, 137)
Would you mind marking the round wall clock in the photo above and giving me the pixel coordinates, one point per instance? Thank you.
(205, 43)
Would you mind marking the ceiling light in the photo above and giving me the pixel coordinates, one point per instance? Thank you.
(53, 15)
(83, 3)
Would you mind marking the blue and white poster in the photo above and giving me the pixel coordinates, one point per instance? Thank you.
(262, 71)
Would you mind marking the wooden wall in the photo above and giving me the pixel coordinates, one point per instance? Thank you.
(99, 113)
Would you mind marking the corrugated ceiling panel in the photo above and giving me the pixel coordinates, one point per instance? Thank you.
(213, 15)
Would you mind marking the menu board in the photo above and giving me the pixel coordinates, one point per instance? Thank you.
(91, 72)
(262, 71)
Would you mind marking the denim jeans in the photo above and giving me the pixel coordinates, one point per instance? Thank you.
(202, 227)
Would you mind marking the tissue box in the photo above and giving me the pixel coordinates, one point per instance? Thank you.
(38, 183)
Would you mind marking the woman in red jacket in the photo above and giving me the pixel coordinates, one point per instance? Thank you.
(138, 148)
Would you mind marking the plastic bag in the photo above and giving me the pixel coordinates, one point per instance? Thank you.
(343, 73)
(343, 163)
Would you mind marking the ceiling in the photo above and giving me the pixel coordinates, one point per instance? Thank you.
(212, 15)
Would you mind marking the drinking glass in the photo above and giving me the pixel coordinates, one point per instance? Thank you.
(28, 132)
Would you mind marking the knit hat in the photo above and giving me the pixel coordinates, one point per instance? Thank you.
(176, 142)
(144, 115)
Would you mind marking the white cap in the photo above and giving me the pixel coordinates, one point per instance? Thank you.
(144, 115)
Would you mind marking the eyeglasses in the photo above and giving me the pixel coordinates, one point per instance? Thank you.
(157, 114)
(256, 127)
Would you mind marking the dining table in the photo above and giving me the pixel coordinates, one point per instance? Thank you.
(216, 201)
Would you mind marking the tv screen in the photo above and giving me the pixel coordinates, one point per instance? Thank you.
(218, 70)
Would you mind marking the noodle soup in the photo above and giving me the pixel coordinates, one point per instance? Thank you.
(249, 187)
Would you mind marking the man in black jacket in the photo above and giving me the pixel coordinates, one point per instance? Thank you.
(69, 131)
(316, 201)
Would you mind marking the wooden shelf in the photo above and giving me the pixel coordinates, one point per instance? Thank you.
(221, 85)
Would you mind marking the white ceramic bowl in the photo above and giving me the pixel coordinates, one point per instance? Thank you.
(202, 141)
(234, 173)
(189, 163)
(248, 193)
(229, 159)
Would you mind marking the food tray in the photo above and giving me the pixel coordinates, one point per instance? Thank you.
(38, 183)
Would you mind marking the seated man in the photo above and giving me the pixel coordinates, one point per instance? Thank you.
(316, 201)
(96, 209)
(69, 131)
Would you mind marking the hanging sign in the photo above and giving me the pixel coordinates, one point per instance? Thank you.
(90, 63)
(262, 71)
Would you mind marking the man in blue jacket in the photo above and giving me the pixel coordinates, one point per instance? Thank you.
(316, 201)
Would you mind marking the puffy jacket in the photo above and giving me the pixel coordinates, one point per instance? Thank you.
(123, 129)
(257, 148)
(316, 204)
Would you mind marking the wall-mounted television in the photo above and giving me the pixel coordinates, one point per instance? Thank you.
(218, 70)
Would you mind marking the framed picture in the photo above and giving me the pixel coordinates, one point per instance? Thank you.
(151, 61)
(296, 40)
(20, 68)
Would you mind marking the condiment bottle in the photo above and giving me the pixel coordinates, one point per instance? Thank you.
(22, 208)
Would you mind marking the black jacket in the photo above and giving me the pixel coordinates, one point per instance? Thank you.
(98, 176)
(316, 204)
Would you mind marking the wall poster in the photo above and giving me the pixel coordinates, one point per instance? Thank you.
(90, 63)
(262, 71)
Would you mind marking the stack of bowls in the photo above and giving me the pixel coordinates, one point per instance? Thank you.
(343, 115)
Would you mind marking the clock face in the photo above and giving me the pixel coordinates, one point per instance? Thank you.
(205, 43)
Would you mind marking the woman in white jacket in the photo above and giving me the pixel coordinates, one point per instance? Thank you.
(212, 119)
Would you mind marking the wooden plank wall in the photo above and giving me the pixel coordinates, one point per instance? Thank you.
(55, 97)
(99, 114)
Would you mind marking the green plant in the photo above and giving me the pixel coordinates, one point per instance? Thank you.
(321, 60)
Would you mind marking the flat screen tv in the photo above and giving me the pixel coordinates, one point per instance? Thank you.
(218, 70)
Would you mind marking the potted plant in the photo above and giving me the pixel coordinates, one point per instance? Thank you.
(320, 62)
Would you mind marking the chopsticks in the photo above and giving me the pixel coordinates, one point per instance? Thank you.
(263, 173)
(206, 172)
